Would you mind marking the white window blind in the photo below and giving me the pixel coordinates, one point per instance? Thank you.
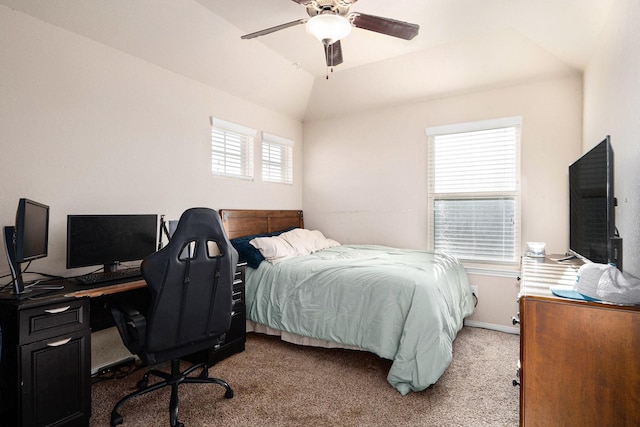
(231, 149)
(474, 190)
(277, 159)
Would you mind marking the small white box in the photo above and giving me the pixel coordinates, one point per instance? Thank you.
(536, 249)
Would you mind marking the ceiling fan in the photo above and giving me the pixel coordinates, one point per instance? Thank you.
(330, 21)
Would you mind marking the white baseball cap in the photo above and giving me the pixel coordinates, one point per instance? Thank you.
(603, 282)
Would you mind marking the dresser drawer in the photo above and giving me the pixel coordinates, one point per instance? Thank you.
(238, 299)
(238, 278)
(54, 319)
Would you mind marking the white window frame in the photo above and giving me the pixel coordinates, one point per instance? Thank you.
(277, 159)
(469, 249)
(231, 149)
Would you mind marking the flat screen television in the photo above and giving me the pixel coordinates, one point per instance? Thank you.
(28, 239)
(109, 239)
(592, 229)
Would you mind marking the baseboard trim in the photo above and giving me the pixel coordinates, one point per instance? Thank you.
(501, 328)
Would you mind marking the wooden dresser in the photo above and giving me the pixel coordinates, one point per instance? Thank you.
(580, 361)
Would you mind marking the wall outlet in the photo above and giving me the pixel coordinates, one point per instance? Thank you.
(474, 289)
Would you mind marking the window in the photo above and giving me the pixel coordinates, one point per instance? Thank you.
(474, 190)
(277, 159)
(231, 149)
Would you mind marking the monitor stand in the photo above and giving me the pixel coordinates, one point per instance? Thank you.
(19, 288)
(16, 274)
(110, 268)
(565, 258)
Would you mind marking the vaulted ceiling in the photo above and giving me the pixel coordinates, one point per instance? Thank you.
(463, 45)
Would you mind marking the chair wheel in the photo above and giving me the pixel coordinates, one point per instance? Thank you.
(116, 419)
(228, 394)
(142, 384)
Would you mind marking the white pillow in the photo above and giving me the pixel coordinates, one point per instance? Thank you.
(297, 242)
(308, 241)
(274, 249)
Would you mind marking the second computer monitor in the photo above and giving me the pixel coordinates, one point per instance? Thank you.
(109, 239)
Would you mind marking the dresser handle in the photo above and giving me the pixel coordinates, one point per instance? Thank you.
(58, 343)
(57, 310)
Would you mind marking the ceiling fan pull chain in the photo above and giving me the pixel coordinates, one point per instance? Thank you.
(328, 69)
(329, 53)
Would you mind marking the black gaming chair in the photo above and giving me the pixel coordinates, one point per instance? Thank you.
(190, 284)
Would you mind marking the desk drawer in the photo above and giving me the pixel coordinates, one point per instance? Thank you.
(54, 319)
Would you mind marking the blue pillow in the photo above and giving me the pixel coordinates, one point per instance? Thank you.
(249, 254)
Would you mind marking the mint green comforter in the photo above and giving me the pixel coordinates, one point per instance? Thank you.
(403, 305)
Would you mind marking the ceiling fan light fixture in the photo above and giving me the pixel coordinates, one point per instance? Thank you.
(329, 28)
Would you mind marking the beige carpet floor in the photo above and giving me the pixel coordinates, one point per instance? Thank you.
(281, 384)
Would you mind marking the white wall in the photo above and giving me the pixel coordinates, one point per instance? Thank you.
(85, 128)
(365, 175)
(612, 106)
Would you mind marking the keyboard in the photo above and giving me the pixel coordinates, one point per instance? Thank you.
(109, 276)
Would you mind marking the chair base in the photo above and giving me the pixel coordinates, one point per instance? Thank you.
(172, 380)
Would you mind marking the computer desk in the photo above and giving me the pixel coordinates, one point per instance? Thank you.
(102, 290)
(45, 351)
(107, 348)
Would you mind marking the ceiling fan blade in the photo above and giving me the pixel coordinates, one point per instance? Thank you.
(333, 54)
(303, 2)
(274, 29)
(388, 26)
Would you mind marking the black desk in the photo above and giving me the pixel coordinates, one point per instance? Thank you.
(45, 358)
(45, 361)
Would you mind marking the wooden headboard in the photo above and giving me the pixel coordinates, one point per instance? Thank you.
(239, 223)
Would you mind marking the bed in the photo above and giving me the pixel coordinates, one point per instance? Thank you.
(403, 305)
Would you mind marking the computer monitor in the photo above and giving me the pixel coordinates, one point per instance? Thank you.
(28, 240)
(32, 230)
(108, 240)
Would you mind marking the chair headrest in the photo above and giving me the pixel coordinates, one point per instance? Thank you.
(197, 224)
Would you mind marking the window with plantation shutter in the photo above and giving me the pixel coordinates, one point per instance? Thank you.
(474, 190)
(277, 159)
(231, 149)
